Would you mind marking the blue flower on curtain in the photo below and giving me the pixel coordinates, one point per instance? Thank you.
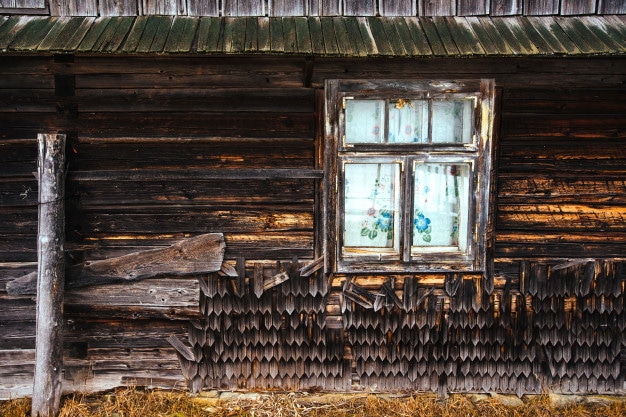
(381, 221)
(422, 225)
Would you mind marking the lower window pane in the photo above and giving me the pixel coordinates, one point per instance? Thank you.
(441, 204)
(370, 205)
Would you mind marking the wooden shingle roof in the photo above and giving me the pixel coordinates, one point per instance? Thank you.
(319, 36)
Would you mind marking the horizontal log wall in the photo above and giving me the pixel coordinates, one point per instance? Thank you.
(164, 148)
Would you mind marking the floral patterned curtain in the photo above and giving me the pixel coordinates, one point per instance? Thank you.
(440, 206)
(371, 203)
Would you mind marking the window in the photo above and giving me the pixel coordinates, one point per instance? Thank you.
(408, 174)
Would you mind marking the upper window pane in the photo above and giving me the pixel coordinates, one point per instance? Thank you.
(452, 121)
(440, 207)
(371, 200)
(365, 121)
(408, 121)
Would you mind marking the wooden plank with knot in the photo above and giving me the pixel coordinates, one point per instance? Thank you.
(199, 254)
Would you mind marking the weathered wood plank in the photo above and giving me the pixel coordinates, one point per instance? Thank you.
(243, 8)
(94, 33)
(303, 36)
(506, 7)
(541, 7)
(74, 8)
(151, 196)
(215, 36)
(436, 8)
(472, 8)
(163, 298)
(204, 7)
(405, 36)
(398, 8)
(360, 8)
(395, 41)
(317, 38)
(98, 154)
(464, 36)
(277, 40)
(31, 34)
(135, 34)
(566, 125)
(418, 36)
(608, 34)
(353, 32)
(251, 36)
(551, 33)
(182, 35)
(562, 189)
(515, 36)
(203, 253)
(53, 33)
(10, 27)
(432, 36)
(610, 7)
(50, 276)
(152, 32)
(157, 175)
(328, 31)
(578, 7)
(72, 34)
(489, 46)
(125, 334)
(565, 101)
(164, 8)
(580, 33)
(366, 36)
(264, 34)
(117, 8)
(195, 124)
(519, 244)
(288, 8)
(342, 36)
(379, 37)
(289, 35)
(113, 35)
(238, 35)
(443, 31)
(564, 217)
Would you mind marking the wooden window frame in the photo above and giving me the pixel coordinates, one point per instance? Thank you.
(478, 154)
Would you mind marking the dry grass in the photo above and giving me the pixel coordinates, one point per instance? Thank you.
(139, 403)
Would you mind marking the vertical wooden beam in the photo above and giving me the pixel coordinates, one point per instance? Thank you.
(51, 275)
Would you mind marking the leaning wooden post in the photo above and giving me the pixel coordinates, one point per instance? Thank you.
(50, 275)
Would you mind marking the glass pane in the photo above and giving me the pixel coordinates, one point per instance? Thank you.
(452, 121)
(365, 121)
(408, 121)
(441, 204)
(371, 202)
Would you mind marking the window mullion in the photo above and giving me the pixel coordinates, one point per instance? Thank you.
(407, 214)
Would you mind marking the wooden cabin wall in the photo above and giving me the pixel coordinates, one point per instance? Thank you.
(164, 148)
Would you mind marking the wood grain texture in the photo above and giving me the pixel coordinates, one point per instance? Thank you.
(50, 276)
(200, 254)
